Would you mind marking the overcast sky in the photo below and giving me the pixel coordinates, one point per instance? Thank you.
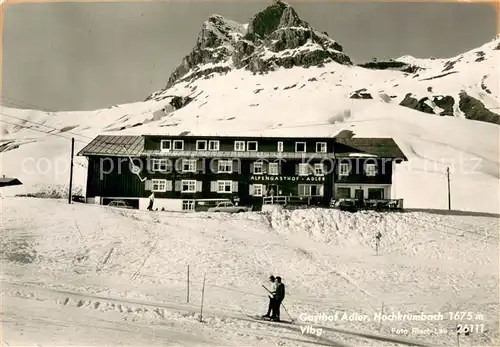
(83, 56)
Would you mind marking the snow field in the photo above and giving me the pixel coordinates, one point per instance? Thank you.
(426, 262)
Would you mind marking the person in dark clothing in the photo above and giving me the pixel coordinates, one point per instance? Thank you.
(271, 298)
(279, 296)
(151, 201)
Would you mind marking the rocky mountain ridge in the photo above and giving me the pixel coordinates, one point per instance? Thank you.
(275, 37)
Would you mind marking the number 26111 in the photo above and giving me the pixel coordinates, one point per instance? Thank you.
(470, 328)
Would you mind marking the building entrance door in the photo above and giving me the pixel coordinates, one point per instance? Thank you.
(358, 194)
(272, 190)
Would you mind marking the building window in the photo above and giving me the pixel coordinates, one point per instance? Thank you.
(258, 167)
(319, 169)
(159, 165)
(159, 185)
(258, 190)
(188, 165)
(273, 169)
(224, 186)
(300, 146)
(239, 146)
(225, 166)
(321, 147)
(280, 146)
(188, 186)
(376, 193)
(344, 169)
(310, 190)
(370, 169)
(303, 169)
(201, 145)
(213, 145)
(343, 193)
(188, 205)
(178, 145)
(252, 146)
(166, 145)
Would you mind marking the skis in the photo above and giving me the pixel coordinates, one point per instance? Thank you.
(263, 319)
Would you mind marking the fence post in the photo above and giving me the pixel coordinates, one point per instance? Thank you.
(381, 313)
(188, 284)
(202, 297)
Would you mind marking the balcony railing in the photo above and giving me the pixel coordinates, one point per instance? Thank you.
(391, 204)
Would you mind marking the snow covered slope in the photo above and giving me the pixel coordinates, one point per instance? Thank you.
(296, 82)
(99, 270)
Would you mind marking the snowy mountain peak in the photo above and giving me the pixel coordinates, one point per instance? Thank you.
(275, 37)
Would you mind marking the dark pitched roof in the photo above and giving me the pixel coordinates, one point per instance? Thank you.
(6, 181)
(380, 147)
(115, 145)
(133, 145)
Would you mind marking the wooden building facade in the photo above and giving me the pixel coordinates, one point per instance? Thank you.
(181, 170)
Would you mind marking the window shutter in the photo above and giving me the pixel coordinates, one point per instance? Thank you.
(199, 186)
(237, 166)
(178, 186)
(251, 190)
(296, 169)
(169, 186)
(213, 186)
(264, 190)
(215, 166)
(252, 168)
(199, 165)
(148, 185)
(279, 167)
(235, 186)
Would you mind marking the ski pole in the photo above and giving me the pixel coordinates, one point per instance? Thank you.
(281, 303)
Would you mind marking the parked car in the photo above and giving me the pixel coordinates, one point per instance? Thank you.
(78, 198)
(349, 206)
(229, 207)
(119, 204)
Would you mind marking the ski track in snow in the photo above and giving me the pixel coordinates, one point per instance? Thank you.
(327, 258)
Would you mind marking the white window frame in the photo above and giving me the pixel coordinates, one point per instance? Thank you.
(224, 184)
(177, 141)
(188, 182)
(190, 205)
(261, 189)
(212, 142)
(201, 141)
(256, 146)
(156, 164)
(305, 147)
(319, 169)
(280, 146)
(274, 170)
(162, 147)
(238, 146)
(224, 163)
(261, 165)
(191, 163)
(306, 166)
(159, 183)
(323, 148)
(371, 169)
(344, 169)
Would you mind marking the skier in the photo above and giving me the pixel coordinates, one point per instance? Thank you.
(151, 201)
(279, 295)
(271, 298)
